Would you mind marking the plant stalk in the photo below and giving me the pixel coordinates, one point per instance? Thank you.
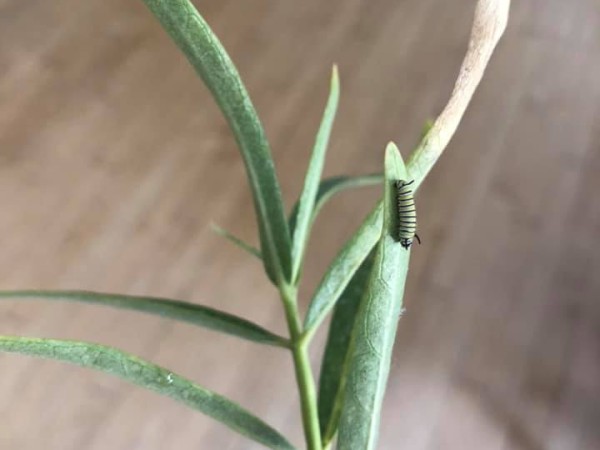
(304, 375)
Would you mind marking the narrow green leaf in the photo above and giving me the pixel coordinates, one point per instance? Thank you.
(332, 380)
(236, 241)
(342, 269)
(152, 377)
(331, 186)
(204, 51)
(172, 309)
(375, 326)
(313, 176)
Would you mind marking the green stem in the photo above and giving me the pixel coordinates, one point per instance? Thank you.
(304, 376)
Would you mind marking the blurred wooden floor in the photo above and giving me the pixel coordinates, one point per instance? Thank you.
(114, 161)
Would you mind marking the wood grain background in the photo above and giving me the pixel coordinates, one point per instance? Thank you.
(114, 160)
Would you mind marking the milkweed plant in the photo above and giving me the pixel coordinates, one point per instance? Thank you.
(362, 289)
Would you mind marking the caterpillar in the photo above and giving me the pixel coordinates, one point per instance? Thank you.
(406, 214)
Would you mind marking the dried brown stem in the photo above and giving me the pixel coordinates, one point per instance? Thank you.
(491, 17)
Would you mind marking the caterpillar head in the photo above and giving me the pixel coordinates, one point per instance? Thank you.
(406, 243)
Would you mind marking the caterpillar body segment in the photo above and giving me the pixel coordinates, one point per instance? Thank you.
(406, 214)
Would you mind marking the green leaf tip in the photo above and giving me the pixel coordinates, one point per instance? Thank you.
(308, 198)
(335, 79)
(394, 165)
(238, 242)
(152, 377)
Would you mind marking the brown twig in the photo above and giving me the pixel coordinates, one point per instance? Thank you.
(491, 17)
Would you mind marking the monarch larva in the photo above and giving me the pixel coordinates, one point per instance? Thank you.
(406, 214)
